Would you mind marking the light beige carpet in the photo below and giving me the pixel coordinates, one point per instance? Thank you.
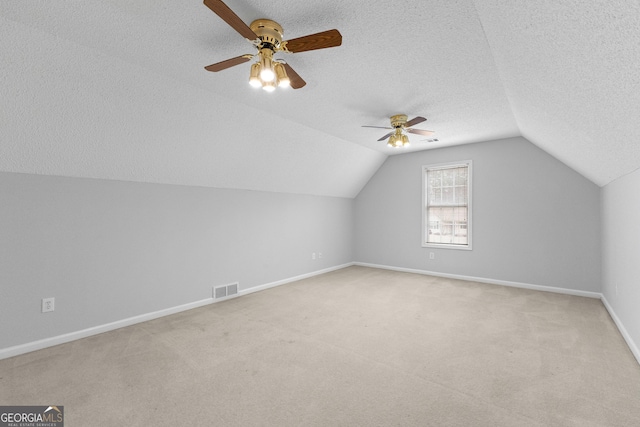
(355, 347)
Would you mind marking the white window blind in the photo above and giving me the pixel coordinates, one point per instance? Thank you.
(447, 205)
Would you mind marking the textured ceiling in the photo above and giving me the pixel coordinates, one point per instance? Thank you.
(116, 89)
(571, 71)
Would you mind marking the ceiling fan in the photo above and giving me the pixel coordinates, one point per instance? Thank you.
(398, 138)
(266, 35)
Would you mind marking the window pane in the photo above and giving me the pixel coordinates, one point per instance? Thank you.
(448, 177)
(435, 178)
(461, 176)
(447, 186)
(447, 196)
(447, 225)
(461, 195)
(435, 196)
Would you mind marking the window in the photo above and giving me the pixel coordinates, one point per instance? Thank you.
(447, 205)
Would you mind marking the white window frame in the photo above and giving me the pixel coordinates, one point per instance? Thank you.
(469, 165)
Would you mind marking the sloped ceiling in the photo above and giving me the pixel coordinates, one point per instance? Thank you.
(116, 89)
(571, 72)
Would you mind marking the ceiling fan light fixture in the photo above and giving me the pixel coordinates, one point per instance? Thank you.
(397, 140)
(269, 86)
(267, 37)
(394, 141)
(281, 75)
(267, 75)
(266, 65)
(400, 126)
(254, 77)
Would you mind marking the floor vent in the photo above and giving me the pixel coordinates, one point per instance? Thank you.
(225, 291)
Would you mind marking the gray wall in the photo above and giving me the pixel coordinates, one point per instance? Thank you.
(621, 252)
(535, 220)
(109, 250)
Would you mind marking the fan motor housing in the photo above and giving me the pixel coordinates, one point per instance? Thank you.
(268, 31)
(398, 120)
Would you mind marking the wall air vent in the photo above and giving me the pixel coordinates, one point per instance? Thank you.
(225, 291)
(220, 292)
(232, 289)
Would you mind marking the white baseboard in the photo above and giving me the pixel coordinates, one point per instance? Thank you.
(632, 345)
(292, 279)
(489, 281)
(72, 336)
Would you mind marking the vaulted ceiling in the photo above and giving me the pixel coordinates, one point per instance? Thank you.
(116, 89)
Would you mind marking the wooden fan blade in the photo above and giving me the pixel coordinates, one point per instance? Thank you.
(219, 66)
(414, 121)
(329, 38)
(294, 78)
(377, 127)
(228, 16)
(386, 136)
(421, 132)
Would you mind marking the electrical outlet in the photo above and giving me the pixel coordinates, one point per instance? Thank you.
(432, 255)
(313, 255)
(320, 255)
(48, 304)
